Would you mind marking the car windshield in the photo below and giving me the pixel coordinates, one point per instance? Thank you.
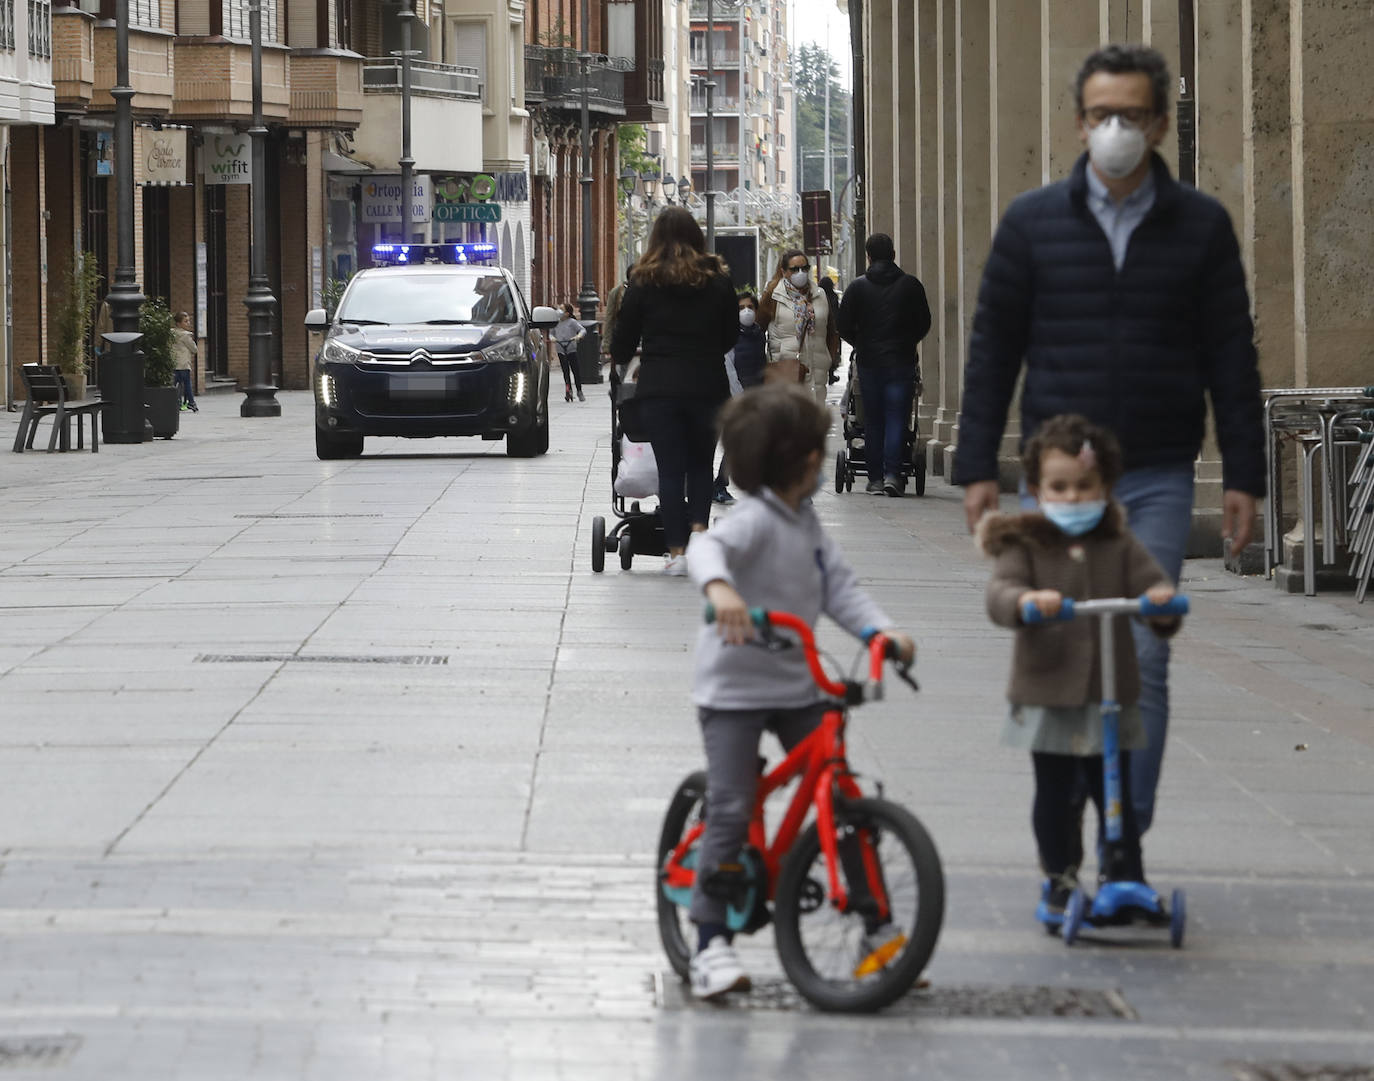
(393, 297)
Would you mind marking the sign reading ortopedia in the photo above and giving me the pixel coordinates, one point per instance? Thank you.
(227, 159)
(381, 199)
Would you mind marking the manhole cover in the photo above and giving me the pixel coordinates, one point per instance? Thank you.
(321, 658)
(28, 1052)
(950, 1000)
(1300, 1071)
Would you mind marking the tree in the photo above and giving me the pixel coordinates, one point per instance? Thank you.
(814, 69)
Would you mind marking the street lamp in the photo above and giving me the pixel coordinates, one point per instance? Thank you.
(628, 179)
(260, 396)
(650, 182)
(407, 163)
(669, 188)
(121, 372)
(684, 187)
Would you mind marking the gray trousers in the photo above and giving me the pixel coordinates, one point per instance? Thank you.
(732, 739)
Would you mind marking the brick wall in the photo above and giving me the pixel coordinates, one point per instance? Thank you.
(238, 219)
(26, 217)
(296, 240)
(187, 227)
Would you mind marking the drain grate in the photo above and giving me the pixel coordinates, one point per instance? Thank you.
(1300, 1071)
(939, 1001)
(330, 516)
(27, 1052)
(322, 658)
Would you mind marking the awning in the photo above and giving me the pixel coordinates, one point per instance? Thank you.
(341, 163)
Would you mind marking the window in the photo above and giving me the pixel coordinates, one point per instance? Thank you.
(145, 13)
(517, 69)
(236, 19)
(7, 25)
(40, 28)
(470, 49)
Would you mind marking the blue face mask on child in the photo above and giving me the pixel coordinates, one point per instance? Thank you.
(1075, 519)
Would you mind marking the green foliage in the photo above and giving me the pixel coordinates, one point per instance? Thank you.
(332, 293)
(74, 315)
(814, 68)
(633, 140)
(156, 326)
(557, 36)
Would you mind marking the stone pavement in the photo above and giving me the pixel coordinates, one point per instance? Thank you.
(354, 769)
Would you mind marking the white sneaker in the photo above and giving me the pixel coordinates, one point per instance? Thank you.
(716, 970)
(676, 566)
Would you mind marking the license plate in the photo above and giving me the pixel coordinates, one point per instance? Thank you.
(409, 386)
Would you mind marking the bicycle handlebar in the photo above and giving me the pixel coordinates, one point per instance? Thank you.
(880, 648)
(1109, 606)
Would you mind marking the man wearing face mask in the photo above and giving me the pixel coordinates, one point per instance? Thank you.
(1122, 293)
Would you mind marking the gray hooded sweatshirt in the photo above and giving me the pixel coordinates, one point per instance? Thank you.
(782, 559)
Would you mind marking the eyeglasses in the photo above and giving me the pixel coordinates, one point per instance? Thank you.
(1132, 118)
(799, 266)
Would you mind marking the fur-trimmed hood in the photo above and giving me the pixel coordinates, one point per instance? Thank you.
(997, 532)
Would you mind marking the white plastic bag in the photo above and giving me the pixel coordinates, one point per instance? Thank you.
(637, 477)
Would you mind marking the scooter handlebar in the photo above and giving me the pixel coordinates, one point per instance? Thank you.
(1132, 606)
(1031, 615)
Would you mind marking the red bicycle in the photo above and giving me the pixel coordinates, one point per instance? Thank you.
(861, 864)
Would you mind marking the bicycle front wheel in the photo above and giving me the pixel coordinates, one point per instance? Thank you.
(869, 955)
(675, 929)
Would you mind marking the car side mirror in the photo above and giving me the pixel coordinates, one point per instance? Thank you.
(544, 317)
(316, 320)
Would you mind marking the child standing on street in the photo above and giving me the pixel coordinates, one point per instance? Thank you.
(771, 552)
(1075, 545)
(745, 364)
(184, 354)
(566, 335)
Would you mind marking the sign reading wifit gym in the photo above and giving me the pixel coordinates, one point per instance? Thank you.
(227, 159)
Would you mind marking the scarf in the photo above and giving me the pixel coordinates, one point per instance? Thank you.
(802, 309)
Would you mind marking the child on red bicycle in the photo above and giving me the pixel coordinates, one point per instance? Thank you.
(770, 552)
(1075, 545)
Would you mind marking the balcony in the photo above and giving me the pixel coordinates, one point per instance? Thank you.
(723, 153)
(563, 85)
(721, 103)
(445, 117)
(73, 58)
(534, 74)
(722, 11)
(326, 89)
(150, 68)
(720, 58)
(214, 80)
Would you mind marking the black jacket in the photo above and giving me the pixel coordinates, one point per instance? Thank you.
(1134, 350)
(751, 355)
(884, 315)
(685, 332)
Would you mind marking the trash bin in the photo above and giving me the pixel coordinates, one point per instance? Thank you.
(124, 420)
(589, 354)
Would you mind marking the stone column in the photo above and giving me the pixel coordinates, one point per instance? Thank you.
(905, 152)
(1120, 21)
(973, 187)
(943, 286)
(1332, 131)
(925, 259)
(880, 127)
(1069, 31)
(1159, 28)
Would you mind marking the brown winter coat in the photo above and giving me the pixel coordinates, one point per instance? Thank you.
(1055, 664)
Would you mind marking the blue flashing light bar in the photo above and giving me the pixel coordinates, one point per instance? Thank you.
(480, 254)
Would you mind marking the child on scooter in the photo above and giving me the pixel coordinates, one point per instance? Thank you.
(770, 552)
(1075, 545)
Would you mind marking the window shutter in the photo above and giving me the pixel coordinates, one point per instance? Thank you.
(470, 49)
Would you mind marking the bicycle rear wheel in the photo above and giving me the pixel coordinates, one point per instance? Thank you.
(829, 955)
(675, 930)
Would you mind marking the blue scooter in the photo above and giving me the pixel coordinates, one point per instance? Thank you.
(1117, 904)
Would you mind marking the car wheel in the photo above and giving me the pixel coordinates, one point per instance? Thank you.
(329, 446)
(524, 443)
(544, 433)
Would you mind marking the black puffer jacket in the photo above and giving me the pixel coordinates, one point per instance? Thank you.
(884, 315)
(1134, 350)
(685, 332)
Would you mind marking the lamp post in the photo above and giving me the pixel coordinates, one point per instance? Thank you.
(684, 187)
(121, 372)
(407, 163)
(628, 179)
(260, 396)
(669, 189)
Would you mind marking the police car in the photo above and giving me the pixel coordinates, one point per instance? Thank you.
(434, 341)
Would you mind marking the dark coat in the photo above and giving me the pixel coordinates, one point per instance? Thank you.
(685, 334)
(751, 355)
(1056, 664)
(1135, 350)
(884, 315)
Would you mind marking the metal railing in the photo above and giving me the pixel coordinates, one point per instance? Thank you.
(563, 83)
(720, 151)
(721, 12)
(7, 25)
(382, 75)
(719, 58)
(40, 28)
(720, 103)
(534, 74)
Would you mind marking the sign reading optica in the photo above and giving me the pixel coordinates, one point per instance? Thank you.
(467, 212)
(227, 159)
(381, 199)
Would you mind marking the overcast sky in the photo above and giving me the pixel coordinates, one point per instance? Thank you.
(809, 22)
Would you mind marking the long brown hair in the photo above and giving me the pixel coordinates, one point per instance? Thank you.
(677, 253)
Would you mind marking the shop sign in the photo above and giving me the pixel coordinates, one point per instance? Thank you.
(381, 199)
(467, 212)
(164, 156)
(482, 187)
(228, 159)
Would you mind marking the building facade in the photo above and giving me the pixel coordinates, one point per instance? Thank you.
(969, 102)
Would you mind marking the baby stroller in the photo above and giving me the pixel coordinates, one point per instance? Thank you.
(852, 462)
(638, 532)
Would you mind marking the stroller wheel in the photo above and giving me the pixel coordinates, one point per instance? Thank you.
(841, 472)
(598, 544)
(918, 471)
(627, 551)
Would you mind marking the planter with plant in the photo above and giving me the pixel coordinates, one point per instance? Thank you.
(72, 319)
(159, 367)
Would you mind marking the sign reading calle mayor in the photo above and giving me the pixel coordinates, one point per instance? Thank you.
(467, 212)
(227, 159)
(164, 157)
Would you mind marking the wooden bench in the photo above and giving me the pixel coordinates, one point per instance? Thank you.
(47, 397)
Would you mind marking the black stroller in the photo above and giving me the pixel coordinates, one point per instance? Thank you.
(639, 532)
(852, 461)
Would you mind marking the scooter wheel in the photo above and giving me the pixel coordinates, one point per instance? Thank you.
(1178, 918)
(1074, 913)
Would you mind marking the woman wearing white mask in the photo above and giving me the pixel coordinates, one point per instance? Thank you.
(802, 336)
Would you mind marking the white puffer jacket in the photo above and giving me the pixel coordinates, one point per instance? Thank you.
(782, 331)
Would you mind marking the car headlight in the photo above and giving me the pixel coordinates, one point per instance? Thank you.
(336, 352)
(508, 349)
(517, 388)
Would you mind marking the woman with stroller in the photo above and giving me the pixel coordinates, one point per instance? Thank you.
(802, 335)
(566, 335)
(679, 310)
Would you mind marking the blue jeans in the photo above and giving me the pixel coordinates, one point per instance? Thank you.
(183, 382)
(887, 396)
